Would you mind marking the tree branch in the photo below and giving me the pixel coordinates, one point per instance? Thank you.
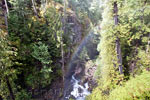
(34, 8)
(6, 7)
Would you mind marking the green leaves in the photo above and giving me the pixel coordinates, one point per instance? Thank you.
(135, 89)
(7, 61)
(23, 95)
(31, 51)
(133, 31)
(40, 52)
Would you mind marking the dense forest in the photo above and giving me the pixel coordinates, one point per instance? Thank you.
(74, 50)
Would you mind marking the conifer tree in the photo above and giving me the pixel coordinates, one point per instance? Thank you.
(118, 48)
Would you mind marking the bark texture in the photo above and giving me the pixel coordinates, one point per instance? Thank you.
(118, 47)
(10, 89)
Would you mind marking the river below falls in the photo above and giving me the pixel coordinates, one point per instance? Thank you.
(77, 79)
(79, 91)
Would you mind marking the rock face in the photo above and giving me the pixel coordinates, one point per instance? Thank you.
(86, 74)
(81, 65)
(52, 92)
(82, 81)
(76, 64)
(78, 70)
(89, 74)
(75, 28)
(73, 31)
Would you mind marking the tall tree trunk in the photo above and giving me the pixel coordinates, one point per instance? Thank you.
(1, 98)
(34, 8)
(6, 7)
(6, 19)
(10, 89)
(62, 59)
(62, 49)
(118, 47)
(148, 44)
(142, 20)
(6, 13)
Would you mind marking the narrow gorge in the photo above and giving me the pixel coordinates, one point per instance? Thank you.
(74, 50)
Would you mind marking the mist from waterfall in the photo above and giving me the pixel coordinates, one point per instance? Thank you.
(73, 86)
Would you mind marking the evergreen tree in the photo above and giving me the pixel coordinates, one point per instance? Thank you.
(132, 35)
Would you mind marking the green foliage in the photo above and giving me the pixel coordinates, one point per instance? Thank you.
(37, 79)
(8, 54)
(30, 54)
(83, 56)
(90, 8)
(60, 1)
(31, 51)
(133, 32)
(106, 47)
(40, 52)
(23, 95)
(135, 89)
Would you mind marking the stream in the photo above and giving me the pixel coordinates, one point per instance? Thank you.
(76, 85)
(79, 92)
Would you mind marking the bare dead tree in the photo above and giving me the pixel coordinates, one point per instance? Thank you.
(5, 12)
(34, 8)
(6, 7)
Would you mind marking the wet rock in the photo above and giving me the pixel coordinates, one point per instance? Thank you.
(89, 75)
(80, 90)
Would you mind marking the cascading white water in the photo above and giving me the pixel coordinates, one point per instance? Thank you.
(79, 91)
(73, 87)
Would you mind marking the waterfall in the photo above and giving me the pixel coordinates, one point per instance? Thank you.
(79, 91)
(74, 87)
